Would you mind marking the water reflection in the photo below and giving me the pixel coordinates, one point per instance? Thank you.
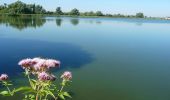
(139, 24)
(59, 22)
(22, 22)
(70, 55)
(74, 21)
(92, 21)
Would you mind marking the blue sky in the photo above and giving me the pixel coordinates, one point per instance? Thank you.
(158, 8)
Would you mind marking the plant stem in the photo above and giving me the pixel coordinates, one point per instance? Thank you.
(38, 88)
(46, 96)
(6, 85)
(9, 90)
(29, 80)
(63, 84)
(37, 96)
(40, 97)
(61, 89)
(56, 98)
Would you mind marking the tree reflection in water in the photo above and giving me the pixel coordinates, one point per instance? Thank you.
(22, 22)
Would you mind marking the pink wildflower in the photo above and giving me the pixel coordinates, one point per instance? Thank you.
(38, 64)
(66, 75)
(45, 64)
(26, 63)
(3, 77)
(36, 60)
(43, 76)
(52, 63)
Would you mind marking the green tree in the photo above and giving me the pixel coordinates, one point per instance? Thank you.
(2, 7)
(109, 15)
(19, 7)
(59, 11)
(99, 13)
(74, 12)
(5, 5)
(91, 13)
(16, 8)
(139, 15)
(32, 8)
(39, 9)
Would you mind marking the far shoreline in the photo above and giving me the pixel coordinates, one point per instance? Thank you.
(73, 16)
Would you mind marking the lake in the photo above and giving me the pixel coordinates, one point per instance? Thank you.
(110, 58)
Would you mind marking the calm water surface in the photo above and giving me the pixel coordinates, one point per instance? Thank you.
(111, 59)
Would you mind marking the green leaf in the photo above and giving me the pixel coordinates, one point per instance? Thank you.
(9, 84)
(67, 94)
(29, 91)
(5, 93)
(23, 89)
(33, 80)
(32, 83)
(50, 93)
(63, 83)
(61, 96)
(26, 72)
(31, 96)
(26, 96)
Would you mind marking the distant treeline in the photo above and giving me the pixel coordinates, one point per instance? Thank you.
(19, 7)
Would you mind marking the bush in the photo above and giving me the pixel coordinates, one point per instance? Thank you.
(42, 82)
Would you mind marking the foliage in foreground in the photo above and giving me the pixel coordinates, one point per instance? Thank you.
(42, 82)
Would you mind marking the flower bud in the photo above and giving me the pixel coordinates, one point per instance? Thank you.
(3, 77)
(66, 75)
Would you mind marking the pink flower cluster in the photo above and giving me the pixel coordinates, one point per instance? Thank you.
(66, 75)
(3, 77)
(40, 68)
(38, 64)
(43, 76)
